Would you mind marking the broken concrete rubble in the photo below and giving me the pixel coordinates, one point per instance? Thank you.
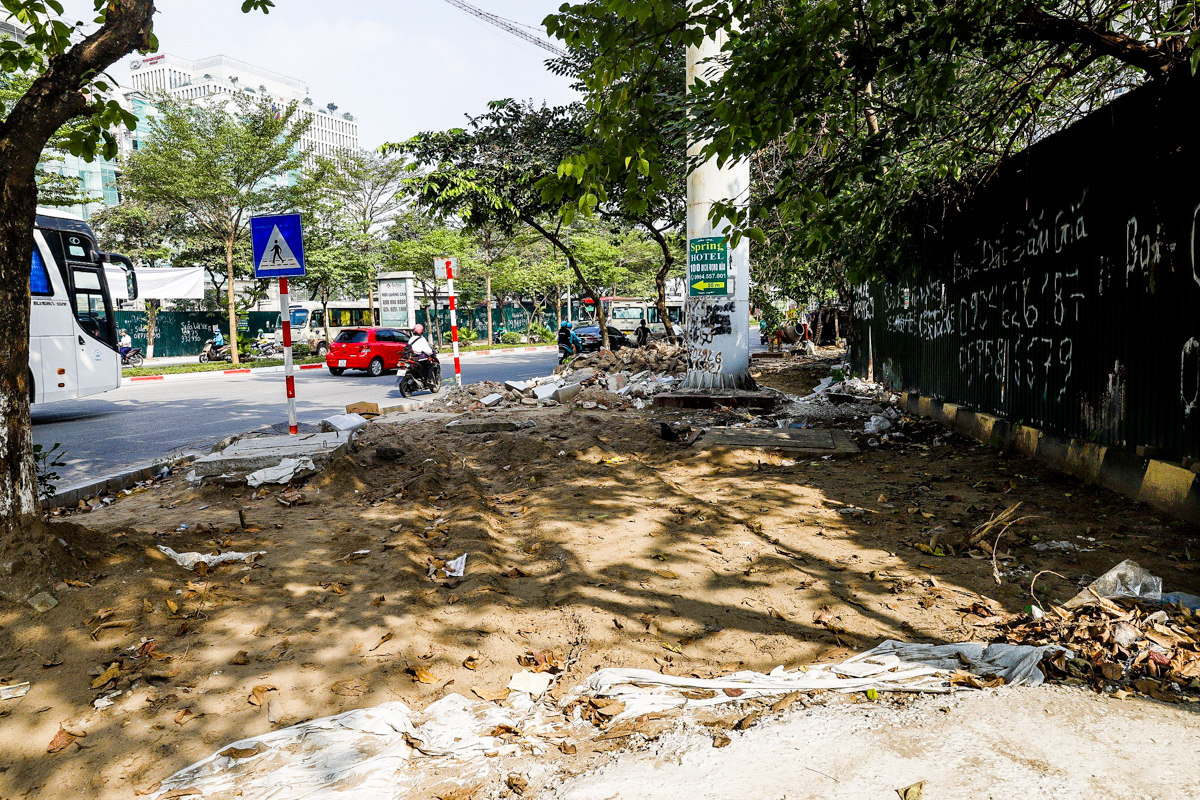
(343, 422)
(261, 452)
(482, 426)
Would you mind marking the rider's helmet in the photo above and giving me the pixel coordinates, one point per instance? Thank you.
(568, 324)
(418, 329)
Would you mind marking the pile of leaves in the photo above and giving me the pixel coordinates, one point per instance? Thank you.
(1121, 647)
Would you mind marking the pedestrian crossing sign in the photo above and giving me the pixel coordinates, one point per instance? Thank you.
(278, 246)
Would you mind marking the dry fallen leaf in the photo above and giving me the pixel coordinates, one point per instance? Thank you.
(387, 637)
(567, 748)
(184, 716)
(484, 694)
(422, 675)
(77, 584)
(172, 606)
(666, 573)
(379, 600)
(61, 740)
(472, 661)
(113, 671)
(721, 740)
(258, 694)
(913, 792)
(349, 688)
(244, 752)
(241, 659)
(461, 793)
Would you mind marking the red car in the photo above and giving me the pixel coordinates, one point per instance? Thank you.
(372, 349)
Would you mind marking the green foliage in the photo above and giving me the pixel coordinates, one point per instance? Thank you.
(46, 463)
(510, 337)
(465, 336)
(539, 333)
(871, 116)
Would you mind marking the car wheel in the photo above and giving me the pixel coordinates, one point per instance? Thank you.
(375, 368)
(336, 370)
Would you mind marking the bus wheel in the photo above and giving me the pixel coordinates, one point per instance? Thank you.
(322, 349)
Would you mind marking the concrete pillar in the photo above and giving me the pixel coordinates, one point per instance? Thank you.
(718, 320)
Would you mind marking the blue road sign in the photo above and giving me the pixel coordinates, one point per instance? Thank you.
(278, 246)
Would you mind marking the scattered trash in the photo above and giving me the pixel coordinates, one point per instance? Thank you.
(190, 560)
(457, 567)
(878, 424)
(1044, 546)
(284, 472)
(15, 690)
(534, 684)
(1016, 664)
(1126, 579)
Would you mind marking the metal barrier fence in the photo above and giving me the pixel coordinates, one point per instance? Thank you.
(183, 333)
(1065, 295)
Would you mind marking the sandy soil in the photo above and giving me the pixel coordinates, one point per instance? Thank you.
(586, 534)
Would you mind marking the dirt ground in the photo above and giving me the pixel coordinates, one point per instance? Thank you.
(586, 534)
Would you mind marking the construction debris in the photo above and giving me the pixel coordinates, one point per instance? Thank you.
(190, 560)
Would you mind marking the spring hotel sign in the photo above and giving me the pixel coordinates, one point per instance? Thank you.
(708, 266)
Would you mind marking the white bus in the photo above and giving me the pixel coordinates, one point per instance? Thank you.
(73, 349)
(626, 314)
(308, 321)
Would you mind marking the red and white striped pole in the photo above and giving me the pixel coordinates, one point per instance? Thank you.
(450, 262)
(285, 314)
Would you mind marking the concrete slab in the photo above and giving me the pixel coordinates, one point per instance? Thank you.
(547, 391)
(248, 455)
(566, 394)
(520, 387)
(344, 422)
(816, 441)
(491, 399)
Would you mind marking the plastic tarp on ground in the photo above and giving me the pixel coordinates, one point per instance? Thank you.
(389, 751)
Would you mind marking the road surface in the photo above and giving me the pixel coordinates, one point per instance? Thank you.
(145, 422)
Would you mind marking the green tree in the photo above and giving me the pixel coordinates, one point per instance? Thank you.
(366, 185)
(216, 165)
(418, 243)
(496, 171)
(68, 63)
(877, 108)
(144, 235)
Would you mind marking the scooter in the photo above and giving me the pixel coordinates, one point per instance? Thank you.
(133, 357)
(210, 353)
(413, 374)
(566, 353)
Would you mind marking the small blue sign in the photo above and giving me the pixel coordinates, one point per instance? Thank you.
(278, 246)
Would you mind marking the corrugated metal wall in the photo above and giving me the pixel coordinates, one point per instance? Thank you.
(1065, 295)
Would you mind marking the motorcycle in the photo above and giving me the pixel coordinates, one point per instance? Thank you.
(132, 358)
(210, 353)
(566, 353)
(412, 374)
(265, 348)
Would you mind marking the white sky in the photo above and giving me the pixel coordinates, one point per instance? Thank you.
(399, 66)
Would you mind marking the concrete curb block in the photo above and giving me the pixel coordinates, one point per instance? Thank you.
(113, 483)
(1164, 485)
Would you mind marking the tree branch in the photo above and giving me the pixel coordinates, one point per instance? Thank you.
(1035, 25)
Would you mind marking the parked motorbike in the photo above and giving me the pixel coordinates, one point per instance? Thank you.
(210, 353)
(413, 374)
(133, 358)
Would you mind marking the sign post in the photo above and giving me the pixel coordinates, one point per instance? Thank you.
(451, 264)
(279, 253)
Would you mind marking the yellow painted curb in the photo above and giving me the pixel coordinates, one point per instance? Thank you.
(1165, 486)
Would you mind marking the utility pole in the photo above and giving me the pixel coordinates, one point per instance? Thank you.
(718, 302)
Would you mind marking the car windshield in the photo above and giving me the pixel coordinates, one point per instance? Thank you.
(351, 337)
(299, 317)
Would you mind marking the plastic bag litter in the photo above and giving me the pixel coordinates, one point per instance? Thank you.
(1126, 579)
(1016, 663)
(190, 560)
(878, 424)
(283, 472)
(455, 568)
(1184, 599)
(363, 754)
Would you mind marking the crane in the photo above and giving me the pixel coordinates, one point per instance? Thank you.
(504, 24)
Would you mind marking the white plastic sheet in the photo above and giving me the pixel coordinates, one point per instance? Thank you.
(190, 560)
(174, 283)
(1016, 663)
(283, 472)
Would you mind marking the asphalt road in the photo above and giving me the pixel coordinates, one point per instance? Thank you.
(145, 422)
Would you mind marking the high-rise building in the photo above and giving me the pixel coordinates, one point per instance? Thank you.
(222, 75)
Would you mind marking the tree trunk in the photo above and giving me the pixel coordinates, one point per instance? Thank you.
(554, 239)
(151, 323)
(232, 295)
(18, 477)
(487, 305)
(325, 315)
(660, 281)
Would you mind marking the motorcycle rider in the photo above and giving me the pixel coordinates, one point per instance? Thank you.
(126, 343)
(421, 350)
(218, 338)
(569, 339)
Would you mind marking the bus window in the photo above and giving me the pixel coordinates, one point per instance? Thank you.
(317, 322)
(627, 313)
(91, 307)
(299, 317)
(39, 278)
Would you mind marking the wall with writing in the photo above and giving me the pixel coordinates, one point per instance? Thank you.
(1064, 294)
